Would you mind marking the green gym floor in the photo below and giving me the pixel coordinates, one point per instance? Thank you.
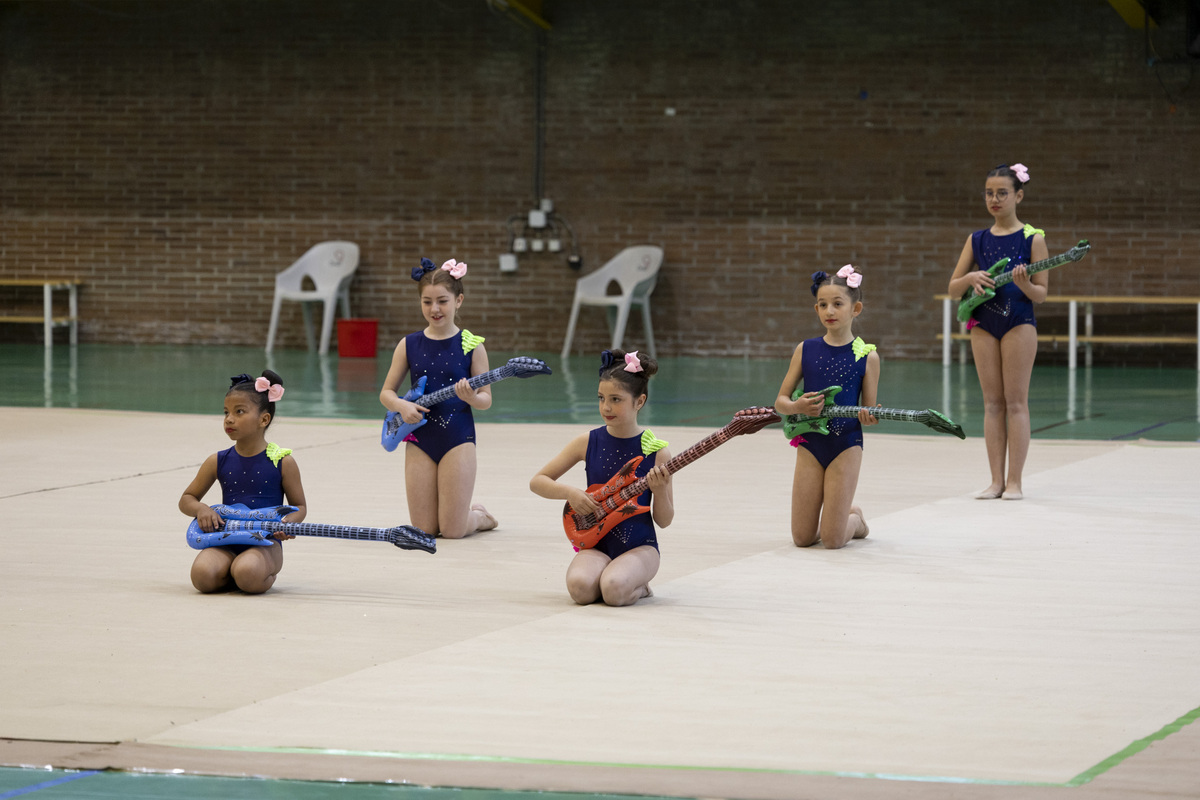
(1098, 403)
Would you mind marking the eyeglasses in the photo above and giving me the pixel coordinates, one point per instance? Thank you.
(1000, 195)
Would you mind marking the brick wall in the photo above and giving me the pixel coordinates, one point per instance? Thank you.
(175, 156)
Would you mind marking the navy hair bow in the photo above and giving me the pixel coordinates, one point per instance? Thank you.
(419, 272)
(606, 360)
(818, 278)
(243, 378)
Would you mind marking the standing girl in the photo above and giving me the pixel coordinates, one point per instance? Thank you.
(827, 465)
(1004, 329)
(254, 472)
(439, 461)
(619, 568)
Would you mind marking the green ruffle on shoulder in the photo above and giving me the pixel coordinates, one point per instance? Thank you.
(1032, 231)
(470, 341)
(861, 348)
(276, 453)
(650, 444)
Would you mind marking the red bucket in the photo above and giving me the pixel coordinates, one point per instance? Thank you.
(357, 338)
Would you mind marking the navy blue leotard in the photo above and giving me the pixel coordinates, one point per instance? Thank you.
(822, 366)
(255, 482)
(1010, 307)
(606, 454)
(443, 363)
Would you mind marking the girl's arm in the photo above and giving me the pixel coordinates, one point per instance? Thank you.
(190, 502)
(389, 396)
(870, 389)
(966, 276)
(545, 482)
(809, 403)
(293, 491)
(479, 399)
(662, 499)
(1037, 287)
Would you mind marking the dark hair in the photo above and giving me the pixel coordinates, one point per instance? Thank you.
(440, 277)
(1005, 171)
(245, 384)
(612, 368)
(820, 278)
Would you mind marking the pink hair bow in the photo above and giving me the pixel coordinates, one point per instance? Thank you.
(274, 390)
(1021, 171)
(632, 362)
(853, 279)
(455, 269)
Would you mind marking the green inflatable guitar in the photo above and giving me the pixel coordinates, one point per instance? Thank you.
(970, 301)
(797, 424)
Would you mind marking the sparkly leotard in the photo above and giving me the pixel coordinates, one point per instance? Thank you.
(822, 366)
(606, 454)
(255, 482)
(443, 362)
(1010, 307)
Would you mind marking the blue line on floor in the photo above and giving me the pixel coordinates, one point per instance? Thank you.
(1135, 433)
(47, 784)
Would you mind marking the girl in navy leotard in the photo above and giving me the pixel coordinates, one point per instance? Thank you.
(827, 465)
(619, 568)
(439, 460)
(1003, 329)
(255, 473)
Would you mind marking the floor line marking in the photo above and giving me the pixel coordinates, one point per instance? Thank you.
(37, 787)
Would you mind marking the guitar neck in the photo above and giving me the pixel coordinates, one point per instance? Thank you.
(894, 414)
(446, 392)
(311, 529)
(1036, 267)
(700, 448)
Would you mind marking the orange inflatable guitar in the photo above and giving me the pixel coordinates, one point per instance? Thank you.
(618, 497)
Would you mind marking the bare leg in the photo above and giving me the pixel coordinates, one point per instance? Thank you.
(862, 529)
(1018, 349)
(808, 490)
(627, 579)
(583, 576)
(838, 525)
(986, 350)
(210, 570)
(421, 489)
(254, 569)
(456, 483)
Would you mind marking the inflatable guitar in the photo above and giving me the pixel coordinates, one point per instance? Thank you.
(254, 526)
(395, 429)
(797, 424)
(970, 301)
(618, 497)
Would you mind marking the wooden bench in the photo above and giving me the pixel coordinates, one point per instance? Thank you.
(1073, 339)
(47, 319)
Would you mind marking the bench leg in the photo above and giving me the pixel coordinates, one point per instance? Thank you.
(73, 308)
(1072, 333)
(945, 331)
(48, 314)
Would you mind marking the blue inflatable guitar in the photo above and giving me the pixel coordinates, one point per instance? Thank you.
(395, 429)
(254, 526)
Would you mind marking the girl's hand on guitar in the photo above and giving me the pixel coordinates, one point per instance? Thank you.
(811, 404)
(866, 418)
(980, 281)
(464, 392)
(658, 478)
(1020, 276)
(582, 502)
(280, 536)
(209, 520)
(412, 413)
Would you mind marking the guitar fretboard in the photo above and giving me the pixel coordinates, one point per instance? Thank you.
(311, 529)
(1041, 266)
(895, 414)
(446, 392)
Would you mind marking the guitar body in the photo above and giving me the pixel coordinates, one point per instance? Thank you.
(395, 429)
(799, 424)
(585, 532)
(971, 301)
(200, 539)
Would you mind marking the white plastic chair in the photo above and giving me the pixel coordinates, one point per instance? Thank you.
(635, 269)
(331, 266)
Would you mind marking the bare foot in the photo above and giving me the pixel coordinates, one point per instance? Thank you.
(489, 521)
(863, 530)
(991, 493)
(649, 591)
(1012, 494)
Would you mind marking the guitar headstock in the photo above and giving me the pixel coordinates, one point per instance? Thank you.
(752, 420)
(1080, 250)
(943, 424)
(406, 537)
(524, 366)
